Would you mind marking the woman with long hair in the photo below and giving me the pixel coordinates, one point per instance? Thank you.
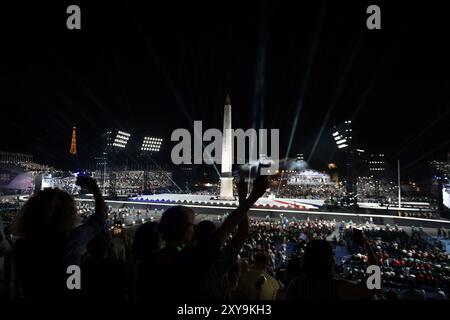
(50, 239)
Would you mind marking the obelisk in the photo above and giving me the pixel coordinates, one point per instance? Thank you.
(226, 179)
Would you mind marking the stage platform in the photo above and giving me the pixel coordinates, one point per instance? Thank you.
(271, 202)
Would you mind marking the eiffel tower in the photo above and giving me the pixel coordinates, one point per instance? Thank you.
(73, 142)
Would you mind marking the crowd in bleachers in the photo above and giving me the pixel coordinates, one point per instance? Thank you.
(132, 182)
(63, 181)
(374, 190)
(411, 266)
(127, 214)
(28, 166)
(324, 191)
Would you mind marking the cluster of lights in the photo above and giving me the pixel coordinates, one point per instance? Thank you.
(376, 161)
(376, 169)
(151, 144)
(121, 140)
(340, 141)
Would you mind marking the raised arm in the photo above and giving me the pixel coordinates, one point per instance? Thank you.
(236, 243)
(260, 186)
(81, 235)
(90, 184)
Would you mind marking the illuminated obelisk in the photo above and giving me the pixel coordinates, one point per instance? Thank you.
(226, 179)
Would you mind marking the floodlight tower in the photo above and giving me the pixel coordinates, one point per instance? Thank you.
(149, 146)
(116, 143)
(343, 136)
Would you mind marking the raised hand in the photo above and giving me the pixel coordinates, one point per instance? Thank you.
(87, 183)
(260, 185)
(91, 185)
(242, 189)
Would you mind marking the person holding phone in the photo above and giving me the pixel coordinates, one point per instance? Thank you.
(50, 239)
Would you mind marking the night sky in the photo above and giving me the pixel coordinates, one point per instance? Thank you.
(149, 69)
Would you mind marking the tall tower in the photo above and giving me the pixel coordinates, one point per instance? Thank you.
(73, 142)
(226, 179)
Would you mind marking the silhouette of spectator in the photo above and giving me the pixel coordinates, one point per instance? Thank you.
(221, 276)
(317, 281)
(102, 277)
(49, 240)
(146, 240)
(257, 284)
(178, 270)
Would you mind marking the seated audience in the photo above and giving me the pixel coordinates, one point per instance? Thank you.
(257, 284)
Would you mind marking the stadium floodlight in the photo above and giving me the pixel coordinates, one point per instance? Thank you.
(151, 144)
(338, 142)
(335, 134)
(341, 146)
(121, 139)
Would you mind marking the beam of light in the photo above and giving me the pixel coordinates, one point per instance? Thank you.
(166, 77)
(168, 177)
(331, 157)
(421, 133)
(304, 87)
(363, 100)
(100, 106)
(258, 102)
(80, 83)
(425, 155)
(65, 124)
(88, 145)
(258, 99)
(335, 98)
(179, 101)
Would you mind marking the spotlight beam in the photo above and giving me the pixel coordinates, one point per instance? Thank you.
(168, 177)
(304, 87)
(335, 99)
(178, 99)
(305, 83)
(422, 132)
(425, 155)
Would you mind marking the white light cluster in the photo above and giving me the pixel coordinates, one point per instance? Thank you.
(121, 139)
(340, 140)
(151, 144)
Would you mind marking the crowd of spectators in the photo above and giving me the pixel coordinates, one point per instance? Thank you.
(320, 191)
(175, 255)
(132, 182)
(29, 166)
(423, 214)
(411, 266)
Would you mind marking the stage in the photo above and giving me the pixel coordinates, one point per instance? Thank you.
(269, 202)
